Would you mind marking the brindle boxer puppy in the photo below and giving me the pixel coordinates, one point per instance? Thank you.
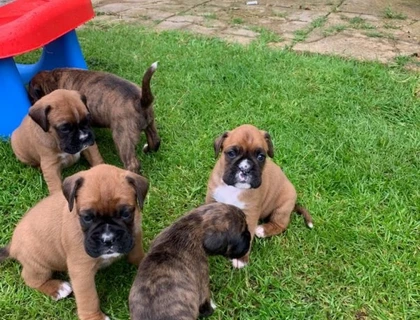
(113, 102)
(54, 134)
(94, 222)
(246, 178)
(173, 279)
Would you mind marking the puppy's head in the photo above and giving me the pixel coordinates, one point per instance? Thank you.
(107, 200)
(225, 230)
(244, 153)
(41, 84)
(64, 114)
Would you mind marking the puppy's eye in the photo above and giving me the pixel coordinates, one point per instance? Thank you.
(65, 128)
(231, 154)
(127, 213)
(88, 218)
(261, 157)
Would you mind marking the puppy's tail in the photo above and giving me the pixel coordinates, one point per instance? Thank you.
(146, 93)
(4, 253)
(306, 215)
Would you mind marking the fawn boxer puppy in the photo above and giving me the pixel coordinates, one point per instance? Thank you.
(172, 281)
(244, 176)
(54, 134)
(113, 103)
(93, 222)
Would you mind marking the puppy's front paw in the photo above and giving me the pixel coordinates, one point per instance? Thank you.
(259, 232)
(95, 316)
(63, 291)
(238, 264)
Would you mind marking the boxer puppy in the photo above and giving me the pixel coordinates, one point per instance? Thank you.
(54, 134)
(172, 281)
(244, 176)
(113, 103)
(93, 222)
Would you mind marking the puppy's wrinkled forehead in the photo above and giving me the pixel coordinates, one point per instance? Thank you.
(246, 136)
(105, 193)
(65, 105)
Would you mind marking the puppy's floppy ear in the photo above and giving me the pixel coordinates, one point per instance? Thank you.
(35, 92)
(218, 143)
(215, 242)
(39, 113)
(70, 186)
(84, 99)
(239, 245)
(267, 138)
(140, 185)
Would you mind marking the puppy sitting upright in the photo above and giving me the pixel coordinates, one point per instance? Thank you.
(113, 102)
(172, 281)
(246, 178)
(95, 221)
(54, 133)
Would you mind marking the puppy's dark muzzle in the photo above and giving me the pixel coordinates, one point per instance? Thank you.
(121, 242)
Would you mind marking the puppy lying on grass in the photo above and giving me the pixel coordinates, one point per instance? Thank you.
(172, 281)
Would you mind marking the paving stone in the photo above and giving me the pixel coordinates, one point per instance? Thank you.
(349, 45)
(388, 37)
(187, 18)
(171, 25)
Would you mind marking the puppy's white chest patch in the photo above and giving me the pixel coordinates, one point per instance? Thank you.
(108, 259)
(67, 159)
(229, 195)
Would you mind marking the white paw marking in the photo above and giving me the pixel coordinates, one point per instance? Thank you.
(259, 232)
(63, 291)
(310, 225)
(229, 195)
(213, 305)
(238, 264)
(107, 318)
(145, 147)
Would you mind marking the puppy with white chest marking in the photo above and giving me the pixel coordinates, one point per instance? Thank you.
(172, 281)
(113, 102)
(54, 133)
(244, 176)
(93, 222)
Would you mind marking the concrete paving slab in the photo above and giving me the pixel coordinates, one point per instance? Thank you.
(363, 29)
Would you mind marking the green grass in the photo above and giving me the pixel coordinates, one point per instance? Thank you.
(391, 14)
(237, 21)
(302, 34)
(346, 134)
(360, 23)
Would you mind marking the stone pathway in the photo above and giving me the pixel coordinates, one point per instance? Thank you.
(382, 30)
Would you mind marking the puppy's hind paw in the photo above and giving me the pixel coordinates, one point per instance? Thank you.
(259, 232)
(63, 291)
(238, 264)
(213, 305)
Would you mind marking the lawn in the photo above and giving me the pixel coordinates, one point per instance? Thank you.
(346, 133)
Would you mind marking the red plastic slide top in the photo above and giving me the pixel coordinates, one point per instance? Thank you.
(26, 25)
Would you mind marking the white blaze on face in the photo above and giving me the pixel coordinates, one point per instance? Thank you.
(245, 165)
(243, 179)
(229, 195)
(107, 235)
(82, 135)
